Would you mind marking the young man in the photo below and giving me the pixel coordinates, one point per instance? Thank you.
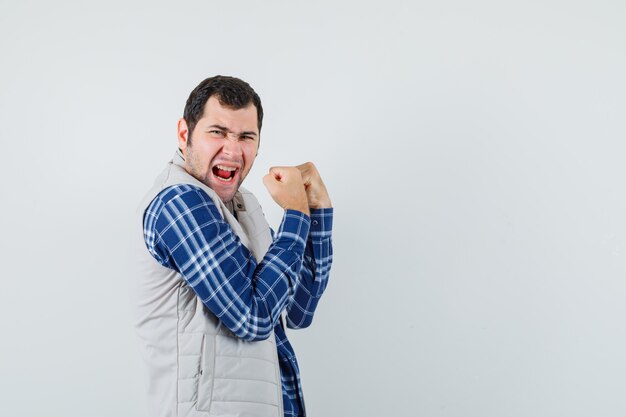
(214, 280)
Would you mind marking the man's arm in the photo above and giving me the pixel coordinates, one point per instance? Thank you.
(318, 255)
(184, 231)
(318, 258)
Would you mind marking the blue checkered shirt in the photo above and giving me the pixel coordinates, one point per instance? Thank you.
(184, 231)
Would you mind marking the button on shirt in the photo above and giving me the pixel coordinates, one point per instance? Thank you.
(184, 231)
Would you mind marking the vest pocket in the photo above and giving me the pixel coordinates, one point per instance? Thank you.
(246, 373)
(207, 373)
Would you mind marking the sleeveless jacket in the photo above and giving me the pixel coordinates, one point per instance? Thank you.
(196, 366)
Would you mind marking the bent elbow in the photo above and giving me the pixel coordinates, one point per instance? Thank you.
(258, 337)
(303, 323)
(249, 335)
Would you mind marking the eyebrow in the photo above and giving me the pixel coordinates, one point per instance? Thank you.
(230, 131)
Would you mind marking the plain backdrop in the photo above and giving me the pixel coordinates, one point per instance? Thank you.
(474, 152)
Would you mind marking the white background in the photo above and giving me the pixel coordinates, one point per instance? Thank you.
(474, 152)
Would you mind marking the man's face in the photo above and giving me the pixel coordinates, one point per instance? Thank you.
(223, 146)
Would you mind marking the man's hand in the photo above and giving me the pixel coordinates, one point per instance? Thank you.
(316, 192)
(285, 185)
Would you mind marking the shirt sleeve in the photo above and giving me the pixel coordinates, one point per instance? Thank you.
(318, 258)
(184, 231)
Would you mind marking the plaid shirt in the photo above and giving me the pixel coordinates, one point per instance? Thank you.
(184, 231)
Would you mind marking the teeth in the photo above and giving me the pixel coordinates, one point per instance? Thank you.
(224, 168)
(224, 179)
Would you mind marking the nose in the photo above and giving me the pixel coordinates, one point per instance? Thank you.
(232, 146)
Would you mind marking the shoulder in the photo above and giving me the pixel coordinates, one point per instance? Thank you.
(178, 197)
(247, 197)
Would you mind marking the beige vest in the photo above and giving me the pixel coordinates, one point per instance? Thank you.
(196, 366)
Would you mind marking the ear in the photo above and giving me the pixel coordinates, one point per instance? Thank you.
(183, 135)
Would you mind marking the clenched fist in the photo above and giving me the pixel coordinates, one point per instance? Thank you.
(316, 192)
(285, 185)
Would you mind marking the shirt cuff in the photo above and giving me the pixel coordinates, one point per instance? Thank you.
(321, 223)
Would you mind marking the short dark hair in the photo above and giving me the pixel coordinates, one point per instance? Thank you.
(230, 91)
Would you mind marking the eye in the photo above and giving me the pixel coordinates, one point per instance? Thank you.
(247, 137)
(217, 133)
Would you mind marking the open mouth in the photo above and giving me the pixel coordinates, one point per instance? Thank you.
(224, 173)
